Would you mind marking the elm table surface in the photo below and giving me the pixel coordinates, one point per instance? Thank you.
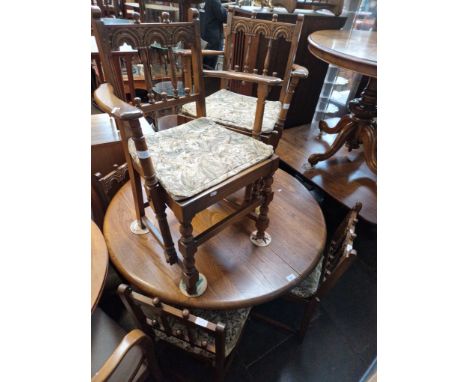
(238, 273)
(99, 264)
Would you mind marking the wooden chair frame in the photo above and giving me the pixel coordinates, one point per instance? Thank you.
(133, 302)
(338, 257)
(135, 338)
(246, 72)
(256, 179)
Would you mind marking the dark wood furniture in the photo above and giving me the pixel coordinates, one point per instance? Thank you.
(307, 93)
(99, 264)
(243, 67)
(256, 163)
(198, 335)
(151, 11)
(345, 176)
(239, 274)
(354, 50)
(117, 356)
(334, 6)
(337, 258)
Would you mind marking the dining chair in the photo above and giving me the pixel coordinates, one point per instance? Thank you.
(337, 258)
(192, 166)
(209, 335)
(117, 356)
(104, 187)
(246, 65)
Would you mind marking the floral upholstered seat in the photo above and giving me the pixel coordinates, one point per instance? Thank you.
(197, 155)
(236, 110)
(233, 319)
(309, 285)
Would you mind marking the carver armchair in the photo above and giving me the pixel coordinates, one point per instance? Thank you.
(246, 66)
(189, 167)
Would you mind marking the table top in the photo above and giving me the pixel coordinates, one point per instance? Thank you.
(99, 264)
(238, 273)
(355, 50)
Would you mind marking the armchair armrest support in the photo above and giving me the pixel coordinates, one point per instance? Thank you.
(247, 77)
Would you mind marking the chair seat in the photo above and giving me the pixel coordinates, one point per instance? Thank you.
(233, 319)
(236, 110)
(199, 154)
(309, 285)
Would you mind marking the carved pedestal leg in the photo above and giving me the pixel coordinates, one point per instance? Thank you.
(260, 237)
(355, 128)
(339, 141)
(323, 126)
(368, 137)
(192, 283)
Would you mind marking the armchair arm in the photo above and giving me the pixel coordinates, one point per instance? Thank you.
(108, 102)
(241, 76)
(134, 338)
(299, 71)
(205, 52)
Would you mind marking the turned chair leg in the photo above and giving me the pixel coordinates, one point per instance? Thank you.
(188, 248)
(260, 237)
(169, 249)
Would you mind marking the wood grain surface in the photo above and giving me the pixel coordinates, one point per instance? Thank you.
(239, 274)
(99, 264)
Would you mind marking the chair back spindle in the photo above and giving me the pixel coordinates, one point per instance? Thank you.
(152, 315)
(340, 253)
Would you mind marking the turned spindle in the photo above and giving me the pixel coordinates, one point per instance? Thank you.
(165, 17)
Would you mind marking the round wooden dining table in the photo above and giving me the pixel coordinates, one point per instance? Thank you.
(354, 50)
(239, 274)
(99, 264)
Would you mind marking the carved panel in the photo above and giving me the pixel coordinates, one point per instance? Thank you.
(140, 35)
(270, 29)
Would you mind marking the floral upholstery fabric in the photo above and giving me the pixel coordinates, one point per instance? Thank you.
(309, 285)
(197, 155)
(234, 321)
(237, 110)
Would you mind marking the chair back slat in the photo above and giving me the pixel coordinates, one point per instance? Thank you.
(152, 315)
